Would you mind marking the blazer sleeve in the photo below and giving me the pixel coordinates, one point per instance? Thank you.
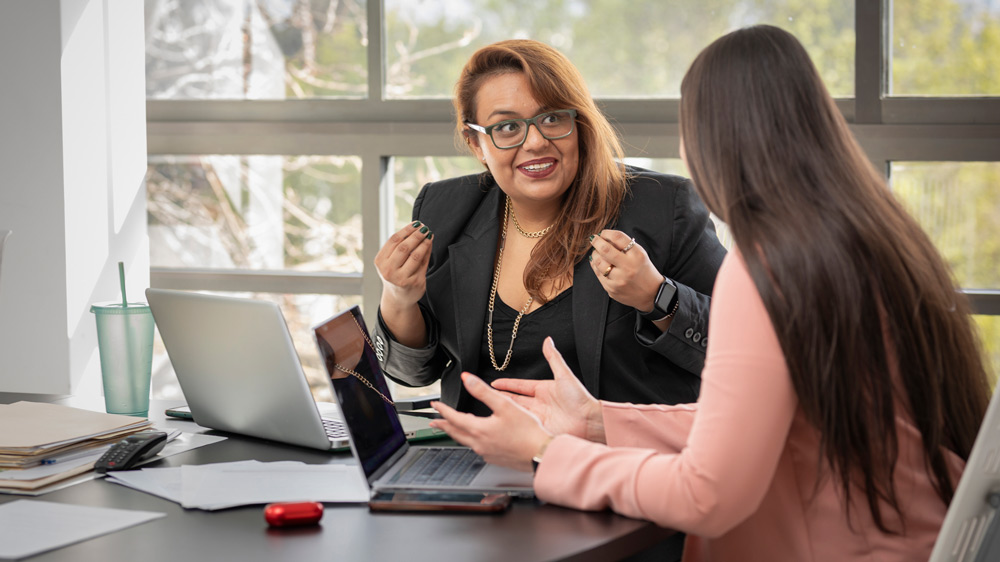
(694, 260)
(410, 366)
(744, 414)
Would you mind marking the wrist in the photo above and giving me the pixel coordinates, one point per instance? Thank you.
(405, 323)
(536, 460)
(652, 287)
(665, 303)
(594, 430)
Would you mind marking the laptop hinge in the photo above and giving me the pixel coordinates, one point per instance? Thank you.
(388, 463)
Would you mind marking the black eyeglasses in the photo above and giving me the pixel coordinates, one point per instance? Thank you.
(511, 133)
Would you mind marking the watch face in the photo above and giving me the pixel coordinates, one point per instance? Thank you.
(665, 296)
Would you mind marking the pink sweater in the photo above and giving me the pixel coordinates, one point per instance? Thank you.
(738, 470)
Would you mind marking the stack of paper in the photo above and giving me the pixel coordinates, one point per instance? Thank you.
(42, 444)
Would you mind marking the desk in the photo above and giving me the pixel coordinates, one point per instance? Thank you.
(529, 531)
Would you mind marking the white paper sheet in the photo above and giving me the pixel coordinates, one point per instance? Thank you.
(29, 527)
(227, 486)
(224, 485)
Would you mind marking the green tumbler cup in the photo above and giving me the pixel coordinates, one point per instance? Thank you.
(125, 340)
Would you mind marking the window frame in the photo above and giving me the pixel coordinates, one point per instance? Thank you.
(375, 129)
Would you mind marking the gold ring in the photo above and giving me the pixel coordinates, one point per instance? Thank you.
(628, 246)
(608, 271)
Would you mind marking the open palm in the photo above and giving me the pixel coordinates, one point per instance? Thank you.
(562, 404)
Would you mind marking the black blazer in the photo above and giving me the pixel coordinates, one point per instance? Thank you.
(622, 357)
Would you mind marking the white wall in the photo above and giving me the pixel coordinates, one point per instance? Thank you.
(72, 163)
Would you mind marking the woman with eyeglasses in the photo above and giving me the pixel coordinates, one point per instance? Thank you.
(555, 238)
(844, 384)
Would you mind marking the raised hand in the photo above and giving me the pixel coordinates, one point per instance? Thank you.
(624, 270)
(562, 404)
(510, 437)
(402, 265)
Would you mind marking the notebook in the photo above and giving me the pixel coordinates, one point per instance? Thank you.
(387, 461)
(239, 371)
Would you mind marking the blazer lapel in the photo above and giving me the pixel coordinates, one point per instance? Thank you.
(471, 277)
(590, 312)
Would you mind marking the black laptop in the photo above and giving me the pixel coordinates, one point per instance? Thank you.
(377, 439)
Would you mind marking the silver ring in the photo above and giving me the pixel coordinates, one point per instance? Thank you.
(608, 271)
(628, 246)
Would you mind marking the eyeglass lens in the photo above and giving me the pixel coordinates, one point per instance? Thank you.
(552, 125)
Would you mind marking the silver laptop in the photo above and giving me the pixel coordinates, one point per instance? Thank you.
(378, 441)
(239, 371)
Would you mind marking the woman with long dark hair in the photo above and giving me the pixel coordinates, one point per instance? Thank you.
(844, 383)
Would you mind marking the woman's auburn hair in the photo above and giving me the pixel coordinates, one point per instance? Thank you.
(594, 199)
(857, 292)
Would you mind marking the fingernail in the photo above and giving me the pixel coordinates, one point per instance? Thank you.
(430, 234)
(591, 238)
(423, 229)
(590, 257)
(416, 224)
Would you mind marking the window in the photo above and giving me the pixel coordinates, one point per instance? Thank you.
(299, 213)
(945, 48)
(263, 50)
(428, 41)
(410, 174)
(289, 138)
(957, 204)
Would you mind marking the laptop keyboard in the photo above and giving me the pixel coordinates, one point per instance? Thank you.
(452, 466)
(335, 429)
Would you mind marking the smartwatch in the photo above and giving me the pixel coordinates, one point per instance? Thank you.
(665, 304)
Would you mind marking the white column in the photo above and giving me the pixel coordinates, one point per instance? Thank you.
(72, 164)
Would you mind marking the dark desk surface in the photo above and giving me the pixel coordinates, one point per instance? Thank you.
(528, 531)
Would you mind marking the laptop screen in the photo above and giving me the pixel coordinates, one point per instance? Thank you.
(361, 389)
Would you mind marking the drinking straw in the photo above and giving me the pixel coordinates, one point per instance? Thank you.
(121, 279)
(129, 351)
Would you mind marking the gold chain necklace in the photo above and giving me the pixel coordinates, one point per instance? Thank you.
(493, 295)
(355, 373)
(513, 215)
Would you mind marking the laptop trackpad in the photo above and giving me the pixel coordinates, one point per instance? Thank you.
(493, 476)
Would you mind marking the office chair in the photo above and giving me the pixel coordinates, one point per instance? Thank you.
(971, 528)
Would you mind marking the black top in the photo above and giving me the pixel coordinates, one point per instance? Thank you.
(620, 356)
(554, 318)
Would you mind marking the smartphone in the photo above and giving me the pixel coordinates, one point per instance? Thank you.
(439, 501)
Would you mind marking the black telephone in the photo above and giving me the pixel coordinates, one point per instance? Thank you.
(131, 451)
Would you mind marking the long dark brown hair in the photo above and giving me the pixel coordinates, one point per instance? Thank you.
(594, 199)
(855, 289)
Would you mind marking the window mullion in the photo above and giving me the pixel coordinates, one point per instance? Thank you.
(870, 60)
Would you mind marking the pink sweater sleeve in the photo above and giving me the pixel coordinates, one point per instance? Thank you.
(650, 426)
(718, 477)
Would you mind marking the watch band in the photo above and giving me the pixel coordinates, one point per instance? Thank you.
(537, 459)
(665, 304)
